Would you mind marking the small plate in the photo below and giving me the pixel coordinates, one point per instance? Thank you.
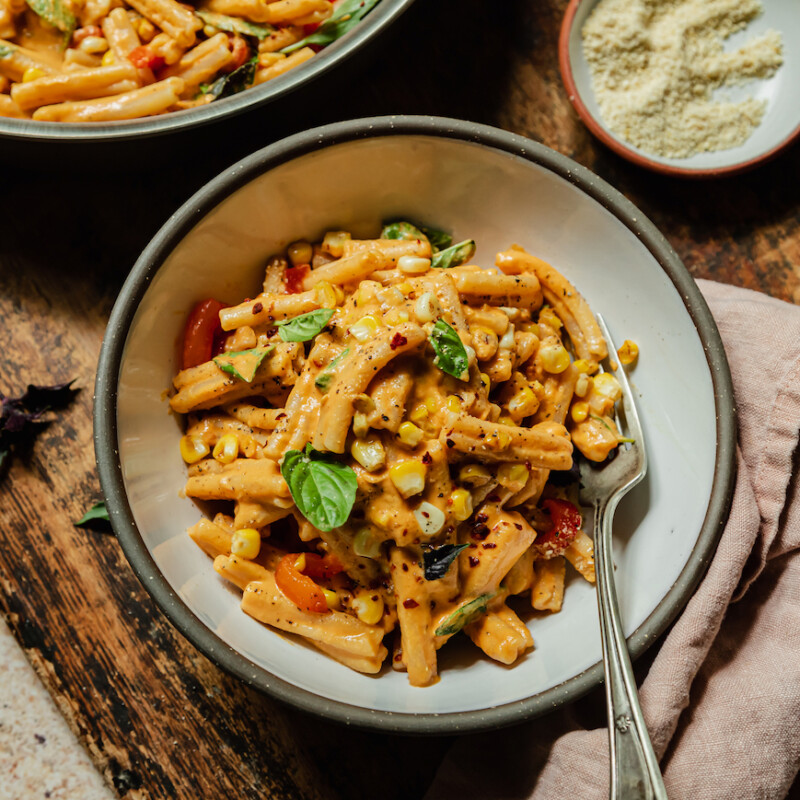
(778, 129)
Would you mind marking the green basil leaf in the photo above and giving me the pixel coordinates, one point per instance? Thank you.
(402, 230)
(6, 51)
(436, 562)
(323, 489)
(451, 355)
(97, 512)
(243, 364)
(439, 239)
(347, 15)
(462, 616)
(234, 24)
(233, 83)
(304, 327)
(325, 377)
(55, 13)
(454, 256)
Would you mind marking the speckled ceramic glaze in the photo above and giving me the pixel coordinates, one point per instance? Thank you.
(476, 182)
(778, 129)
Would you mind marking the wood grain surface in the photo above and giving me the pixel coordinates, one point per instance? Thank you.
(158, 718)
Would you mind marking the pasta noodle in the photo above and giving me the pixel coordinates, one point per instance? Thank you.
(386, 420)
(108, 60)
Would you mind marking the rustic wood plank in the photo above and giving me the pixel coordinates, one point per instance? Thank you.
(158, 718)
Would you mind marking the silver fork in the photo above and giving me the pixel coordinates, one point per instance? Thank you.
(635, 774)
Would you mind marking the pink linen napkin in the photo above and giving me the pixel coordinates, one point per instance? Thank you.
(722, 697)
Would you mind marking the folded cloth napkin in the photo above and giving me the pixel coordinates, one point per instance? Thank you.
(722, 696)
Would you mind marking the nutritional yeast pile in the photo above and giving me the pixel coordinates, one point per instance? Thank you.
(656, 63)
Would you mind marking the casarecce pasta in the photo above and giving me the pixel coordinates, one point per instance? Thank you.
(106, 60)
(392, 428)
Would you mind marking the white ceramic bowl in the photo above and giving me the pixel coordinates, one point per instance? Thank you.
(778, 129)
(477, 182)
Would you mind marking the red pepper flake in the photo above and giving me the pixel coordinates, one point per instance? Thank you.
(488, 545)
(493, 498)
(474, 561)
(426, 458)
(480, 531)
(518, 526)
(398, 657)
(410, 603)
(258, 308)
(398, 340)
(405, 567)
(482, 517)
(450, 443)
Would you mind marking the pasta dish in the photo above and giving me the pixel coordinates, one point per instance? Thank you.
(104, 60)
(385, 435)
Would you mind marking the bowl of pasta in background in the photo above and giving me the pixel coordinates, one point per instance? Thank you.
(475, 182)
(144, 88)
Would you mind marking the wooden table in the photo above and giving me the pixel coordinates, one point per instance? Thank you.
(158, 718)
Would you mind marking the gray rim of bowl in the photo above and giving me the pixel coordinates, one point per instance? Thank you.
(336, 53)
(106, 445)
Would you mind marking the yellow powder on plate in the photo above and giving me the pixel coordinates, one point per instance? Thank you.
(656, 63)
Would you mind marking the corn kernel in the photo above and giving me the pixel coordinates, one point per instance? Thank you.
(32, 73)
(396, 316)
(474, 475)
(94, 45)
(391, 296)
(628, 353)
(582, 385)
(246, 543)
(368, 606)
(504, 439)
(365, 329)
(505, 420)
(429, 517)
(554, 357)
(365, 294)
(607, 386)
(408, 477)
(454, 404)
(146, 30)
(300, 562)
(226, 449)
(486, 381)
(369, 453)
(549, 317)
(360, 424)
(432, 404)
(210, 30)
(419, 413)
(512, 476)
(334, 242)
(427, 307)
(461, 504)
(366, 545)
(405, 287)
(300, 253)
(523, 403)
(579, 411)
(332, 599)
(193, 448)
(107, 59)
(412, 265)
(585, 366)
(409, 434)
(325, 295)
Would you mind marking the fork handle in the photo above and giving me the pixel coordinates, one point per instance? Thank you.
(635, 774)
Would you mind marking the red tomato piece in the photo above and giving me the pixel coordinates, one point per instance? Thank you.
(298, 588)
(295, 276)
(310, 28)
(143, 57)
(322, 566)
(202, 334)
(566, 518)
